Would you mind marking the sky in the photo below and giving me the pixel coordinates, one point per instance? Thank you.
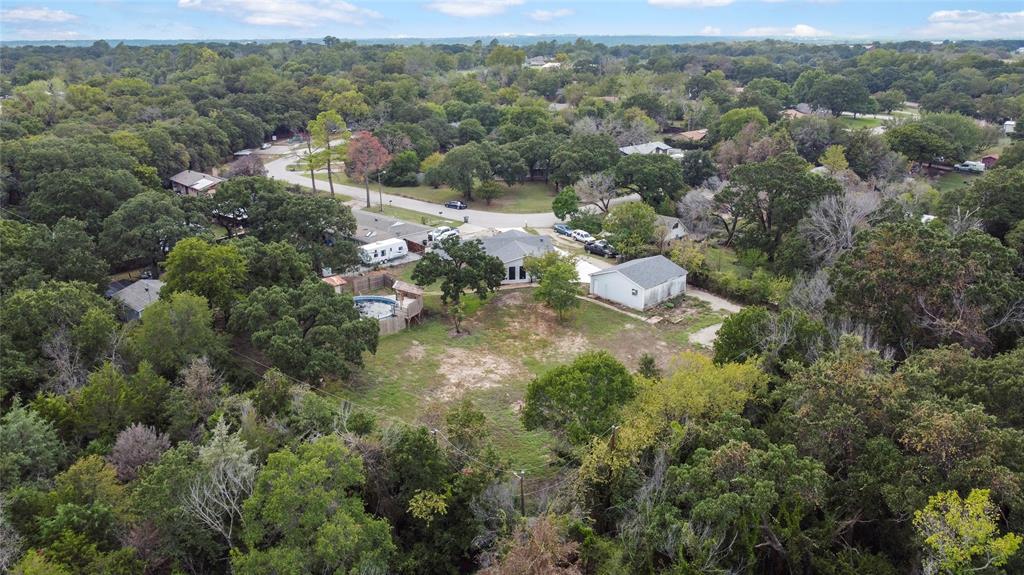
(360, 19)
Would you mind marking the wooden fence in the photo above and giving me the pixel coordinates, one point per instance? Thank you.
(370, 282)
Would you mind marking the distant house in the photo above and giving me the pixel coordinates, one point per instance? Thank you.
(512, 248)
(693, 136)
(990, 160)
(190, 183)
(792, 114)
(674, 228)
(1009, 127)
(374, 227)
(641, 283)
(135, 298)
(650, 148)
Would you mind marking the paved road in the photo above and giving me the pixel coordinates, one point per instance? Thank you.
(278, 169)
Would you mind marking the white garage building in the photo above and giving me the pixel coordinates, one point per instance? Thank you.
(512, 247)
(641, 283)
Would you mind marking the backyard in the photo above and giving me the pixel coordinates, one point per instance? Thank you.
(416, 375)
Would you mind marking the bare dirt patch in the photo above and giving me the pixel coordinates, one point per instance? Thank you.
(416, 351)
(466, 370)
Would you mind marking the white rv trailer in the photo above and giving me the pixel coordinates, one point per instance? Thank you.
(383, 251)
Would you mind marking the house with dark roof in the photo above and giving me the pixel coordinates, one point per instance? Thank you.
(512, 248)
(641, 283)
(135, 298)
(191, 183)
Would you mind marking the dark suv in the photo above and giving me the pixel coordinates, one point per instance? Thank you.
(601, 248)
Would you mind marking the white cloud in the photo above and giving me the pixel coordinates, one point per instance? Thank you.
(711, 31)
(973, 24)
(549, 15)
(296, 13)
(472, 8)
(689, 3)
(28, 14)
(798, 31)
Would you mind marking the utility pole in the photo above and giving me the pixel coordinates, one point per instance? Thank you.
(522, 494)
(615, 433)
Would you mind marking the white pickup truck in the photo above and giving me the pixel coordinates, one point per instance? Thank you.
(971, 167)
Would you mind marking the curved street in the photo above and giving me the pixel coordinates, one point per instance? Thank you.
(278, 169)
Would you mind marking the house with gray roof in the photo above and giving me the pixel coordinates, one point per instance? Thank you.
(512, 248)
(191, 183)
(373, 227)
(135, 298)
(640, 283)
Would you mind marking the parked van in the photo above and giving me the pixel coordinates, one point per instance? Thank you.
(383, 251)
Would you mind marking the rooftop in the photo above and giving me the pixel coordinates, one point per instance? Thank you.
(647, 272)
(140, 294)
(649, 148)
(515, 244)
(196, 180)
(374, 227)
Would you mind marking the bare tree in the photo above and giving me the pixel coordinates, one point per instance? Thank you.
(225, 479)
(625, 131)
(10, 541)
(697, 212)
(598, 189)
(538, 549)
(251, 165)
(810, 293)
(68, 370)
(136, 446)
(832, 223)
(202, 386)
(963, 221)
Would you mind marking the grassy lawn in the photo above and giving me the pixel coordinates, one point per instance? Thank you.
(526, 198)
(952, 181)
(418, 374)
(853, 123)
(414, 216)
(725, 260)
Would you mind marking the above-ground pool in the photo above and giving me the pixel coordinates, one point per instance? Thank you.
(375, 306)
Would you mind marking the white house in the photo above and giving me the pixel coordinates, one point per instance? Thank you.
(651, 148)
(1009, 127)
(512, 248)
(674, 228)
(641, 283)
(135, 298)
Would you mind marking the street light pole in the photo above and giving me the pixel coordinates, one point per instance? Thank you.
(380, 190)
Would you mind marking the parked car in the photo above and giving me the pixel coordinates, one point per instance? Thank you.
(971, 167)
(265, 145)
(433, 234)
(456, 204)
(582, 236)
(601, 248)
(562, 229)
(446, 235)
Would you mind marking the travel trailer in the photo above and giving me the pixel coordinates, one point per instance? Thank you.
(383, 251)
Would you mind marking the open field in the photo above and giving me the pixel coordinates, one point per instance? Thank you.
(952, 181)
(853, 123)
(419, 373)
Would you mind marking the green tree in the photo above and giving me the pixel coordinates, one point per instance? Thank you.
(566, 204)
(402, 169)
(558, 281)
(772, 197)
(332, 533)
(144, 227)
(656, 177)
(489, 190)
(321, 129)
(174, 331)
(581, 155)
(697, 167)
(272, 263)
(631, 228)
(215, 271)
(111, 401)
(462, 165)
(998, 195)
(834, 159)
(35, 253)
(316, 226)
(460, 266)
(962, 535)
(735, 120)
(579, 400)
(921, 143)
(308, 331)
(29, 448)
(89, 195)
(889, 100)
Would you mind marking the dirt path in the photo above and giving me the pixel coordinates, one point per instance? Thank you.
(705, 337)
